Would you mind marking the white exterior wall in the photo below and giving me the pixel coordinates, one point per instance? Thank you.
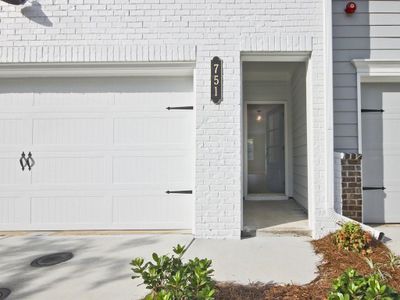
(299, 135)
(189, 30)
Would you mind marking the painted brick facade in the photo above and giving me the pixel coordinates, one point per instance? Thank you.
(183, 30)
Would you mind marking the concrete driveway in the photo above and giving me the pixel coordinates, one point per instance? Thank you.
(392, 236)
(100, 266)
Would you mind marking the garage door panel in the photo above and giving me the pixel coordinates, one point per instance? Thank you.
(152, 100)
(149, 169)
(12, 131)
(163, 209)
(153, 131)
(59, 211)
(390, 101)
(391, 169)
(76, 100)
(372, 123)
(16, 100)
(374, 167)
(69, 131)
(105, 151)
(393, 209)
(68, 170)
(374, 206)
(14, 210)
(10, 171)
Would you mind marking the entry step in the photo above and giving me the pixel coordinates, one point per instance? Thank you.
(276, 230)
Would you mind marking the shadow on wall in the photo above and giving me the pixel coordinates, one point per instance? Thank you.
(35, 13)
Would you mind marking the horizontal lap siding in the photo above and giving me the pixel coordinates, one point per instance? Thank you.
(372, 32)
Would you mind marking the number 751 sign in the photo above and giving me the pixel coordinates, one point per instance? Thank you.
(216, 80)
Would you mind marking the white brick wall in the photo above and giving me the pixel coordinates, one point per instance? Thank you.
(181, 30)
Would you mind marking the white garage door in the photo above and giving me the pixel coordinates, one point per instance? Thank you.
(105, 152)
(381, 152)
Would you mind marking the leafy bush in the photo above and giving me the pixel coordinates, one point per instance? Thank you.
(351, 237)
(352, 286)
(169, 278)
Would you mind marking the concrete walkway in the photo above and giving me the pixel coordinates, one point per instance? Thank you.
(272, 259)
(100, 268)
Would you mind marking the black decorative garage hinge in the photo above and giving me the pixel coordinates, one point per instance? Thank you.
(373, 188)
(364, 110)
(180, 192)
(179, 107)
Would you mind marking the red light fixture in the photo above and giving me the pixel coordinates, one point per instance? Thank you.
(351, 8)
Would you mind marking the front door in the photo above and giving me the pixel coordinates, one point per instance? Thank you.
(265, 149)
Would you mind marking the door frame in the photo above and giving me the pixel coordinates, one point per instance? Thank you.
(271, 196)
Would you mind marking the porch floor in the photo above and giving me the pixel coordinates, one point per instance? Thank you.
(274, 217)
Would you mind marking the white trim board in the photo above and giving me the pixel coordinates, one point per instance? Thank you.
(271, 56)
(329, 119)
(27, 70)
(373, 70)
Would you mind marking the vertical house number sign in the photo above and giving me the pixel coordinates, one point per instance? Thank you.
(216, 80)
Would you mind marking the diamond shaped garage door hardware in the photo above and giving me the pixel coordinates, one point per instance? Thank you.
(51, 259)
(4, 293)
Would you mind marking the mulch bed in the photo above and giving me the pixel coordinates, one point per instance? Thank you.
(334, 263)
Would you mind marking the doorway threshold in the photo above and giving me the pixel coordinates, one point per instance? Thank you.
(269, 197)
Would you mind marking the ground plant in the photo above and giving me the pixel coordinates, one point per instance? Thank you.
(379, 269)
(351, 237)
(168, 277)
(352, 286)
(394, 261)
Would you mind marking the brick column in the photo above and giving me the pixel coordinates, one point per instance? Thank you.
(352, 186)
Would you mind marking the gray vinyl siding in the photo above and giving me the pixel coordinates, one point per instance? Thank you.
(373, 32)
(299, 125)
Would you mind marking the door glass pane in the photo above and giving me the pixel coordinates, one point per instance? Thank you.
(265, 148)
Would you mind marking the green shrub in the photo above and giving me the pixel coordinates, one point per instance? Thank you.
(351, 237)
(352, 286)
(169, 278)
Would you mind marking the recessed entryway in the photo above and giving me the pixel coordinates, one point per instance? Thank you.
(275, 141)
